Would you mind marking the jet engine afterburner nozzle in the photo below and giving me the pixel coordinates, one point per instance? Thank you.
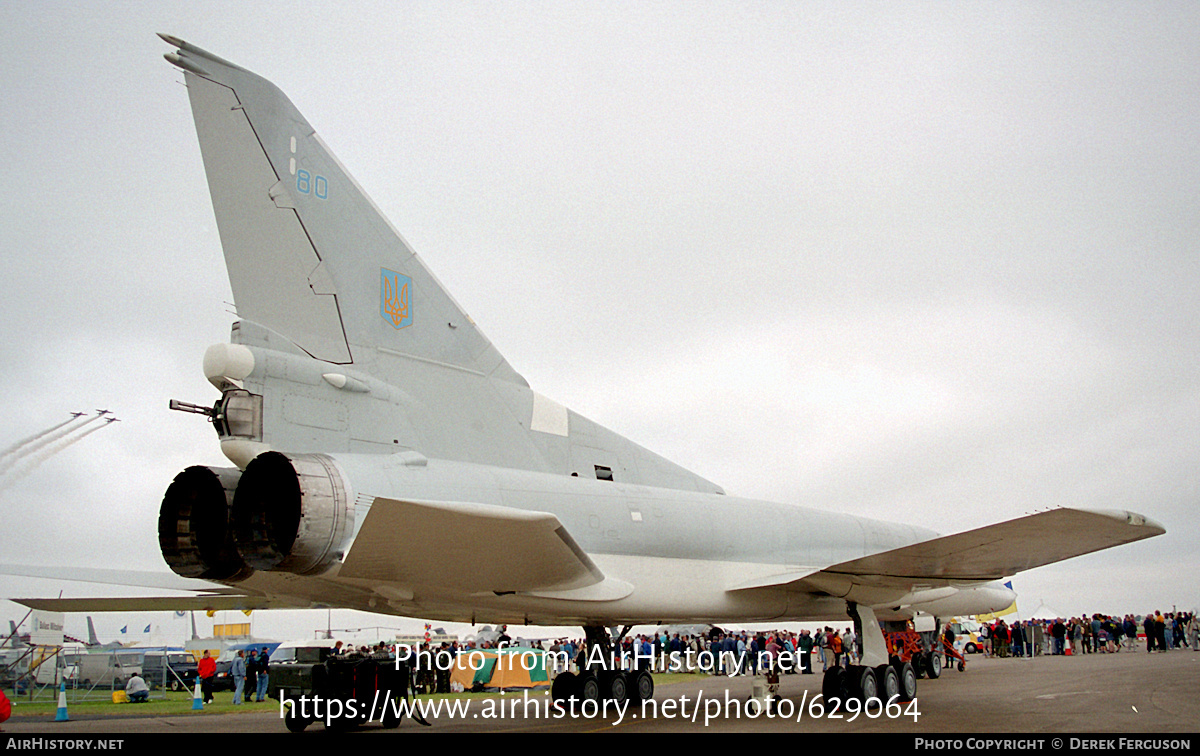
(292, 513)
(193, 525)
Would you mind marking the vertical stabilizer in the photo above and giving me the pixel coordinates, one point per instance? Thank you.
(309, 255)
(14, 636)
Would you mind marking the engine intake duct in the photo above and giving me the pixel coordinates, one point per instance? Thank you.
(292, 513)
(193, 525)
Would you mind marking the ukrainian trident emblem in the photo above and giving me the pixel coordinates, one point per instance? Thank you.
(393, 298)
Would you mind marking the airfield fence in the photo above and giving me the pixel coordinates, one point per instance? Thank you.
(93, 676)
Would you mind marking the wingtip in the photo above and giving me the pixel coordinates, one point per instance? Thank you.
(1133, 519)
(186, 56)
(186, 64)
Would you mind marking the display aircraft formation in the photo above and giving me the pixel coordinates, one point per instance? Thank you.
(386, 458)
(22, 457)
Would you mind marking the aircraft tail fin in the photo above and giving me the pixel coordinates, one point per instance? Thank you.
(309, 255)
(14, 636)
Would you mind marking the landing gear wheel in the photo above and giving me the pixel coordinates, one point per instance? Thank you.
(833, 686)
(889, 682)
(918, 665)
(908, 682)
(615, 686)
(589, 687)
(933, 667)
(866, 685)
(564, 686)
(644, 685)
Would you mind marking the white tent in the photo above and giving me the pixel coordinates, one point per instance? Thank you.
(1044, 612)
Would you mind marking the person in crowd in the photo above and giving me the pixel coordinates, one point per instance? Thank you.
(805, 645)
(264, 669)
(206, 670)
(237, 671)
(251, 675)
(136, 689)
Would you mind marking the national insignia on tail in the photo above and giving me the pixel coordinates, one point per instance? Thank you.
(393, 298)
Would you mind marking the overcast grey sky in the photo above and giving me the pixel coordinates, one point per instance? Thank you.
(927, 262)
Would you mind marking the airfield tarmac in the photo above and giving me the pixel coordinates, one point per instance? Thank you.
(1130, 692)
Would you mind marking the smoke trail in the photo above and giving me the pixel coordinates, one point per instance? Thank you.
(12, 449)
(45, 439)
(31, 463)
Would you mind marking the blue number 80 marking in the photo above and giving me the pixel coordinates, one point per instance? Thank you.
(307, 183)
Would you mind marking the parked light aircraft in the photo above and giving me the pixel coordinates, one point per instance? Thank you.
(387, 458)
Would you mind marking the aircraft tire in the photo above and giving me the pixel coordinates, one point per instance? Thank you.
(889, 682)
(907, 674)
(933, 665)
(615, 686)
(833, 686)
(866, 684)
(918, 665)
(589, 687)
(643, 685)
(564, 686)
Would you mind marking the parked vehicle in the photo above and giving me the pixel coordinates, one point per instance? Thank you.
(175, 670)
(107, 667)
(968, 636)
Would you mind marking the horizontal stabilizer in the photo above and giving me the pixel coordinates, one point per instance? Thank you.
(213, 603)
(467, 547)
(161, 580)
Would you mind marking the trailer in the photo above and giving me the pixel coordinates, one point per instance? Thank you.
(312, 683)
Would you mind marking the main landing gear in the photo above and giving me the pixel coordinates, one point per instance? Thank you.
(599, 678)
(880, 677)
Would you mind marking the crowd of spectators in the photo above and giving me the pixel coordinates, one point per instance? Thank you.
(732, 653)
(1097, 634)
(718, 652)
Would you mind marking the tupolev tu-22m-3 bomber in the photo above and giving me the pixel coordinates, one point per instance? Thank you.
(386, 458)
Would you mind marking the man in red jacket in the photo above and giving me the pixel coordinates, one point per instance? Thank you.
(207, 671)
